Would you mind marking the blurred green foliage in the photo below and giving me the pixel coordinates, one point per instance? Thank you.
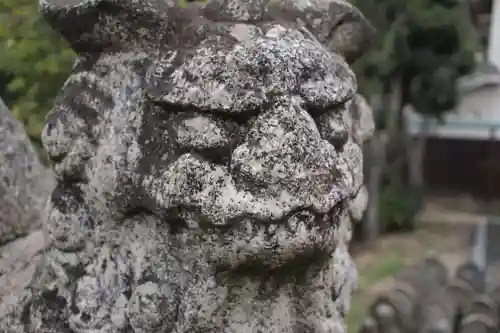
(35, 59)
(425, 45)
(398, 207)
(428, 44)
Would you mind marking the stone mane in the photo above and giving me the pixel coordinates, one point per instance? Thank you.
(206, 157)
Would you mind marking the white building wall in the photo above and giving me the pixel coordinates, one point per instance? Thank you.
(494, 38)
(482, 104)
(477, 117)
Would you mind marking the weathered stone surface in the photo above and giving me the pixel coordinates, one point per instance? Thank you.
(205, 166)
(25, 186)
(25, 183)
(18, 262)
(357, 206)
(363, 124)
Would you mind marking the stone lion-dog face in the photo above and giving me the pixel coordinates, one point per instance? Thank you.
(205, 138)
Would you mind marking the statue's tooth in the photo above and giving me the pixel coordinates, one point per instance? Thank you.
(192, 223)
(310, 225)
(248, 226)
(282, 234)
(272, 228)
(261, 231)
(255, 229)
(292, 224)
(301, 228)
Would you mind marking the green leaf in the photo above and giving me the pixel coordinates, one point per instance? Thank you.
(416, 38)
(17, 84)
(34, 62)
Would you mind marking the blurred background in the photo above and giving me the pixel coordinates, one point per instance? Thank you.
(431, 170)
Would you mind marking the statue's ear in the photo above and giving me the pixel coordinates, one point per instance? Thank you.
(106, 25)
(337, 24)
(351, 35)
(352, 38)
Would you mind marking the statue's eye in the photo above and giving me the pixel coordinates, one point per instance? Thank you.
(240, 118)
(210, 135)
(203, 131)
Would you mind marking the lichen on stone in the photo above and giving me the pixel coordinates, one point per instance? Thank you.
(206, 159)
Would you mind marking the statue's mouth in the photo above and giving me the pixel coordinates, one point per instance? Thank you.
(276, 243)
(271, 225)
(298, 221)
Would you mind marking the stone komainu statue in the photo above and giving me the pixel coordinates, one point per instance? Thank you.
(205, 157)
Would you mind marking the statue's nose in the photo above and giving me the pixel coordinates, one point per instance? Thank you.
(283, 149)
